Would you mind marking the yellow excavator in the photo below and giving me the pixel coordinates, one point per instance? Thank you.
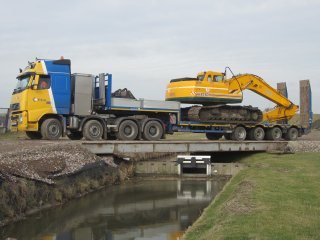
(214, 91)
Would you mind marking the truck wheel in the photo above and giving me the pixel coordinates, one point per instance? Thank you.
(93, 130)
(152, 131)
(128, 130)
(239, 134)
(292, 134)
(214, 136)
(75, 135)
(274, 134)
(256, 134)
(33, 135)
(51, 129)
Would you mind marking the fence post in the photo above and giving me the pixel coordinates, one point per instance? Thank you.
(4, 119)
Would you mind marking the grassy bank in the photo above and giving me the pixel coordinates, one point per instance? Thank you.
(276, 197)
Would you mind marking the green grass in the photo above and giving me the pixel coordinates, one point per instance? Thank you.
(186, 136)
(13, 136)
(276, 197)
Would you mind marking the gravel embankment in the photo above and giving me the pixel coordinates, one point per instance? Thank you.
(304, 146)
(46, 162)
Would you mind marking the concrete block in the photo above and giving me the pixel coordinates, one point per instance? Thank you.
(305, 104)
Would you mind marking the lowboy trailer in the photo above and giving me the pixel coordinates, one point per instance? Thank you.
(50, 102)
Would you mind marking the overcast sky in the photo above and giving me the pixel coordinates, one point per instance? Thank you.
(145, 43)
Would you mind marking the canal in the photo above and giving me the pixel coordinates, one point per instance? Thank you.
(140, 210)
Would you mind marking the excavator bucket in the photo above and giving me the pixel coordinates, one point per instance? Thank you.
(305, 104)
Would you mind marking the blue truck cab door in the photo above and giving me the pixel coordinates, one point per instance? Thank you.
(59, 72)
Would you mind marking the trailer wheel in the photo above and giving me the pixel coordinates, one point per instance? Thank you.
(34, 135)
(292, 134)
(239, 134)
(51, 129)
(128, 130)
(152, 131)
(92, 130)
(75, 135)
(274, 134)
(256, 134)
(214, 136)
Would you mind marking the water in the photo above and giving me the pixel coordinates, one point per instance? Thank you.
(157, 210)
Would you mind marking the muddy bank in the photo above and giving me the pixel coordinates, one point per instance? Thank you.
(48, 175)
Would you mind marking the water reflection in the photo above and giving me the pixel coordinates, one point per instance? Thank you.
(144, 210)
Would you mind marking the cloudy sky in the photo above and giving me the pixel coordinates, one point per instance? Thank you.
(145, 43)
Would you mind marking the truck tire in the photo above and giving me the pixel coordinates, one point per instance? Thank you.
(75, 135)
(92, 130)
(239, 134)
(34, 135)
(213, 136)
(51, 129)
(128, 130)
(152, 131)
(292, 134)
(274, 134)
(256, 134)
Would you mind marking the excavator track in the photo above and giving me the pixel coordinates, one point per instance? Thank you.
(223, 114)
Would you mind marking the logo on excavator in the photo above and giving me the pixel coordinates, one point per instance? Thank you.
(200, 94)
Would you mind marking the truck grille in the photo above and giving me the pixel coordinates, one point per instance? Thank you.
(15, 106)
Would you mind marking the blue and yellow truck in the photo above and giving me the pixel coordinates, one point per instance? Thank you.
(49, 102)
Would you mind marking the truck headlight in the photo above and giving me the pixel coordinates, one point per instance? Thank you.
(20, 118)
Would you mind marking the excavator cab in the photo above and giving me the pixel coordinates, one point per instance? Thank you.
(211, 76)
(207, 88)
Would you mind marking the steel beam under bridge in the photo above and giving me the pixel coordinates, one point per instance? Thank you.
(114, 147)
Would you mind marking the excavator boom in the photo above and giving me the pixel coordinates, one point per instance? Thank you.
(284, 110)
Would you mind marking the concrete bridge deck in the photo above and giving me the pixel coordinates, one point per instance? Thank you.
(114, 147)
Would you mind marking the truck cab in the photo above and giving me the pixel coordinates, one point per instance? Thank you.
(43, 89)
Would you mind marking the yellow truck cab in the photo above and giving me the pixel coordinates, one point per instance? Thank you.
(42, 92)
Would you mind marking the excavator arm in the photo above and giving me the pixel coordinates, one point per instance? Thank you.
(284, 110)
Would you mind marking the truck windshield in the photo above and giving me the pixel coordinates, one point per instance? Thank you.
(22, 83)
(200, 77)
